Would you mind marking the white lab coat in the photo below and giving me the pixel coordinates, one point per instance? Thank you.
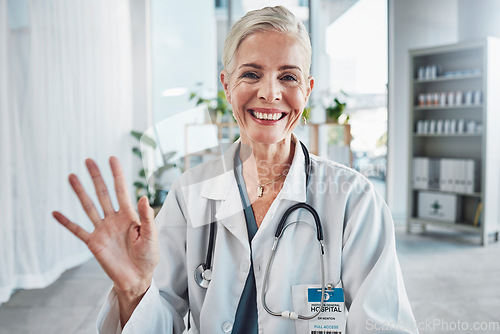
(359, 245)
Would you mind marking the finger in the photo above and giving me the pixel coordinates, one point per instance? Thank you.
(85, 200)
(120, 184)
(79, 232)
(146, 214)
(100, 187)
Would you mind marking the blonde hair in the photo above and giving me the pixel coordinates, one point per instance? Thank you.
(266, 19)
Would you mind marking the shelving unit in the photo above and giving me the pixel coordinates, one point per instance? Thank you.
(483, 145)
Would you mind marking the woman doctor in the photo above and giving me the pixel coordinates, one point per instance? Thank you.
(267, 56)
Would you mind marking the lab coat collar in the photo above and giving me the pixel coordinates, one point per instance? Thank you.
(221, 183)
(294, 188)
(222, 186)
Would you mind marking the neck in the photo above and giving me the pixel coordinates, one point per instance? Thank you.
(265, 162)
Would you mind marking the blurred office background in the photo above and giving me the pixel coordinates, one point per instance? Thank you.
(76, 77)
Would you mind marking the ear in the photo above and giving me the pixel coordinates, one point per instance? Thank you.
(309, 86)
(224, 79)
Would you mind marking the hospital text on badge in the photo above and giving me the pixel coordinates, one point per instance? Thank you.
(331, 318)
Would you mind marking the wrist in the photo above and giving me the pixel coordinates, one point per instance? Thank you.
(128, 299)
(131, 293)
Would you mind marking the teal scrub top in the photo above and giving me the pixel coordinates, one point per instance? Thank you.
(246, 314)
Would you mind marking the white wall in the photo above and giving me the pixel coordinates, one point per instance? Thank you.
(183, 52)
(140, 54)
(412, 24)
(478, 19)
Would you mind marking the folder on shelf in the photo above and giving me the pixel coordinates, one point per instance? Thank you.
(425, 173)
(434, 182)
(443, 172)
(450, 177)
(415, 180)
(455, 175)
(420, 173)
(461, 175)
(470, 173)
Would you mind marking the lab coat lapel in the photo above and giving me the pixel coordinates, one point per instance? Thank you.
(294, 188)
(224, 189)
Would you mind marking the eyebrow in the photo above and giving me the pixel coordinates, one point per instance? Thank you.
(282, 68)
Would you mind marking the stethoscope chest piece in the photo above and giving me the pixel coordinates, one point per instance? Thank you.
(202, 276)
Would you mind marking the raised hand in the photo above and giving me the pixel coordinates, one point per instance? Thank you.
(125, 244)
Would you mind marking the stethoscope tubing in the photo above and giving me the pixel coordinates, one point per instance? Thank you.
(290, 314)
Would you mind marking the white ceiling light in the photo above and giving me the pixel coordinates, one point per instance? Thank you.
(176, 91)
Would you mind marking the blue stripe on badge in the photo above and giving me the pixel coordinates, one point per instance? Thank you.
(335, 296)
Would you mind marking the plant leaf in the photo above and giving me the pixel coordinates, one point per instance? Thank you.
(137, 152)
(136, 134)
(139, 185)
(147, 140)
(144, 139)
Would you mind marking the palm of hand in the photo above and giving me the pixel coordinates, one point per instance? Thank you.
(124, 243)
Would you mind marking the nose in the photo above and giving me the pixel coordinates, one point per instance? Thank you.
(269, 90)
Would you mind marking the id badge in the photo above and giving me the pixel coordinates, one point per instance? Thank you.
(331, 320)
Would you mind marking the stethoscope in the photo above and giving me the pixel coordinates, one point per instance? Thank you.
(203, 273)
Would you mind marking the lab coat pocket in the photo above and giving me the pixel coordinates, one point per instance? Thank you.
(300, 306)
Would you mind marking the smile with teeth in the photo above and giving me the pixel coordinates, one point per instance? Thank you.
(267, 116)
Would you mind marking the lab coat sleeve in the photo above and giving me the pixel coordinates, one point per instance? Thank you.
(373, 284)
(164, 305)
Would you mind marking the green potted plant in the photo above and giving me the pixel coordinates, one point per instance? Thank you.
(334, 111)
(153, 189)
(218, 106)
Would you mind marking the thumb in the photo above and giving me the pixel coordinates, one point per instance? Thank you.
(146, 215)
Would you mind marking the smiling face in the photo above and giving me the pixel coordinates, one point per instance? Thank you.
(268, 89)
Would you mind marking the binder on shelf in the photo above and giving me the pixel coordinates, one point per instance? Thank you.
(434, 182)
(450, 185)
(424, 168)
(461, 176)
(470, 175)
(443, 168)
(455, 175)
(415, 180)
(421, 173)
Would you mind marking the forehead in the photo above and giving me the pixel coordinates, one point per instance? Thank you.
(270, 49)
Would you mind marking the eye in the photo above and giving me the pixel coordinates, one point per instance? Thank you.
(289, 77)
(250, 75)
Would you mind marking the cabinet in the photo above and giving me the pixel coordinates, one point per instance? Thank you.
(455, 116)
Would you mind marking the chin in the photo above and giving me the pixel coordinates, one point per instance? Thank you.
(269, 138)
